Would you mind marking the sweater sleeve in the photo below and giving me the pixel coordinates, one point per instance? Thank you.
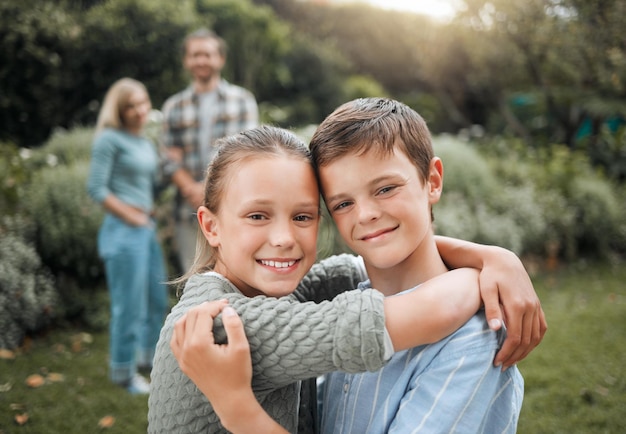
(331, 276)
(291, 341)
(102, 159)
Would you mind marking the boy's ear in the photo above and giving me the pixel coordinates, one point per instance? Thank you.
(435, 179)
(209, 226)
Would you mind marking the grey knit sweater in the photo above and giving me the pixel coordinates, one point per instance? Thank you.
(292, 338)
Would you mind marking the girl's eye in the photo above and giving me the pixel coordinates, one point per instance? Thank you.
(303, 218)
(256, 216)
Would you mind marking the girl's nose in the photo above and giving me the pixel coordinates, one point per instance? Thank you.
(282, 235)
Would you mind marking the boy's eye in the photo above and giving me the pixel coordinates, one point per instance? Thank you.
(386, 189)
(341, 205)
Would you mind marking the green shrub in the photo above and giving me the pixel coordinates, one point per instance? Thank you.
(12, 175)
(597, 215)
(480, 206)
(28, 299)
(586, 220)
(67, 221)
(63, 148)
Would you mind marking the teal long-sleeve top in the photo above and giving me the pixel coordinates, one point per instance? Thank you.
(124, 165)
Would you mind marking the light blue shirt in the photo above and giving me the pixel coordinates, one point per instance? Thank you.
(125, 166)
(447, 387)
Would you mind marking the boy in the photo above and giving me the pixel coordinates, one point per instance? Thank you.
(379, 178)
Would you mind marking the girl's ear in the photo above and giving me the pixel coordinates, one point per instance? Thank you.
(435, 180)
(209, 226)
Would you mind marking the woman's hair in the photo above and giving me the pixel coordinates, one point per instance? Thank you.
(233, 151)
(115, 101)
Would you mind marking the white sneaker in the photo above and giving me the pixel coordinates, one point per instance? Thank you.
(138, 385)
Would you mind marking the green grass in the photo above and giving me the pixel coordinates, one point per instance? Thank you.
(74, 405)
(575, 380)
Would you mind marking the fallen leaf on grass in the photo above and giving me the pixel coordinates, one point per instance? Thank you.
(21, 418)
(106, 422)
(80, 340)
(55, 377)
(35, 381)
(6, 354)
(5, 387)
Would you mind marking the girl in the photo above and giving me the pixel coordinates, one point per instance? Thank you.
(259, 224)
(123, 169)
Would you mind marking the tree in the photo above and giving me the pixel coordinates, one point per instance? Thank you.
(36, 39)
(572, 53)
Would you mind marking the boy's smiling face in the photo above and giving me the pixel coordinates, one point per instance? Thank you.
(381, 206)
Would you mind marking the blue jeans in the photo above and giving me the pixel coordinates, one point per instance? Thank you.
(135, 274)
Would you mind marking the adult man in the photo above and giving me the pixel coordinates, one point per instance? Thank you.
(194, 118)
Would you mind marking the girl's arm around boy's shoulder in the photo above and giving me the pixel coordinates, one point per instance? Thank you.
(291, 340)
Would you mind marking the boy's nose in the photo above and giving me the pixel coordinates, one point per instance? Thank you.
(368, 211)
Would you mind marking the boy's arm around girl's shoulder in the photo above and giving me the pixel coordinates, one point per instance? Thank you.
(292, 340)
(330, 277)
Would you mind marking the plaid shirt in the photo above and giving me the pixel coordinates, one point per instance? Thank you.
(236, 111)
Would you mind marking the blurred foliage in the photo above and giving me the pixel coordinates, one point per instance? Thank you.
(67, 221)
(12, 175)
(565, 63)
(28, 297)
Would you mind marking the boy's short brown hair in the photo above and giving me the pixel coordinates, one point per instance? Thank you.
(379, 124)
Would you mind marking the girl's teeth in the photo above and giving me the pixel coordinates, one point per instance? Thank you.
(278, 264)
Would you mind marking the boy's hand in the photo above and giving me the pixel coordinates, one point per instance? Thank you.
(509, 296)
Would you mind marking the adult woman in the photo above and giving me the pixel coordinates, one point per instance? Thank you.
(123, 169)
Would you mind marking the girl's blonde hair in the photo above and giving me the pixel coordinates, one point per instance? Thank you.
(232, 151)
(115, 101)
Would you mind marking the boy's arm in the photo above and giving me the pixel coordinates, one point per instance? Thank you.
(434, 310)
(503, 282)
(229, 368)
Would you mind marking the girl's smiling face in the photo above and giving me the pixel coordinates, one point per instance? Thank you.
(265, 231)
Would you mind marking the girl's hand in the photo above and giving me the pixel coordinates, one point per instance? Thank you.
(222, 372)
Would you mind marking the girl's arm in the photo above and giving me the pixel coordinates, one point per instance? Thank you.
(293, 341)
(229, 366)
(331, 276)
(503, 282)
